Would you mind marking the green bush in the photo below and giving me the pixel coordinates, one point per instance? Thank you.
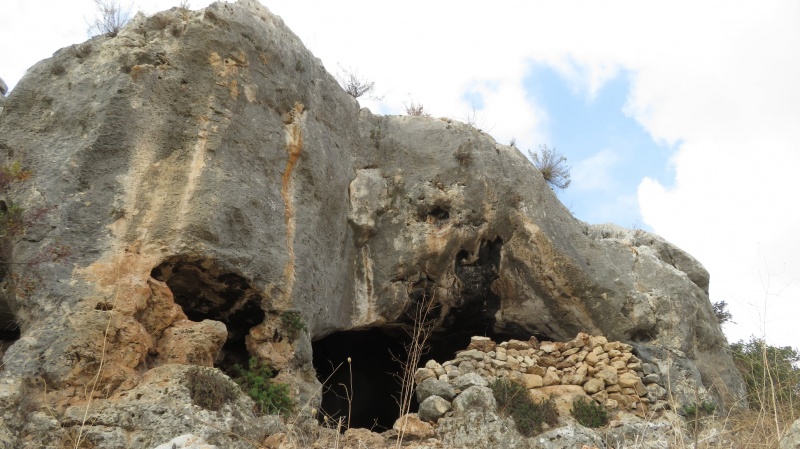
(770, 373)
(256, 380)
(209, 389)
(529, 416)
(589, 413)
(293, 323)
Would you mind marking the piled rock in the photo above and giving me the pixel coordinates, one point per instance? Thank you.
(607, 371)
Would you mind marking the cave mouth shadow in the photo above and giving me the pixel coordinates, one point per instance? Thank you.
(367, 389)
(205, 291)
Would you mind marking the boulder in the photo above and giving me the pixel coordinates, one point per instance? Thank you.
(791, 438)
(476, 428)
(433, 408)
(475, 398)
(465, 381)
(434, 387)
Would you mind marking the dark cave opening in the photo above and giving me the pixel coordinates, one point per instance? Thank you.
(9, 332)
(368, 388)
(206, 292)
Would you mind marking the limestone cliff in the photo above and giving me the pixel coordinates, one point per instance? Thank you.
(200, 175)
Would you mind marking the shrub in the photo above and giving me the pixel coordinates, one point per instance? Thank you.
(589, 413)
(293, 323)
(722, 313)
(770, 374)
(553, 167)
(110, 18)
(209, 389)
(256, 380)
(694, 411)
(354, 84)
(415, 109)
(529, 416)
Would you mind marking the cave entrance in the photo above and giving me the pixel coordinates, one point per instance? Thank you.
(368, 388)
(370, 396)
(206, 292)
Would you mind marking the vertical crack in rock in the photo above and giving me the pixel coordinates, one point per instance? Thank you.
(294, 146)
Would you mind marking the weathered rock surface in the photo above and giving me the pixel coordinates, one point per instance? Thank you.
(791, 439)
(203, 167)
(3, 91)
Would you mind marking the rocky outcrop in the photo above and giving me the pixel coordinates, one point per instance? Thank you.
(200, 177)
(3, 91)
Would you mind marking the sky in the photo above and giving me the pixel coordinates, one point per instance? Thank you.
(680, 118)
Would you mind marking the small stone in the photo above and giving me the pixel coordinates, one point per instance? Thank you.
(569, 352)
(536, 369)
(547, 361)
(533, 381)
(484, 344)
(468, 380)
(433, 408)
(593, 386)
(600, 396)
(551, 377)
(547, 347)
(628, 380)
(640, 389)
(619, 365)
(412, 427)
(596, 341)
(472, 354)
(623, 400)
(468, 366)
(422, 374)
(607, 375)
(433, 387)
(499, 364)
(475, 398)
(636, 366)
(518, 345)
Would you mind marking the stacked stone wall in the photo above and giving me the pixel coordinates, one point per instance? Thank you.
(607, 371)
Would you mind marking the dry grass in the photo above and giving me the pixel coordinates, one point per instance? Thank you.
(422, 326)
(415, 109)
(553, 167)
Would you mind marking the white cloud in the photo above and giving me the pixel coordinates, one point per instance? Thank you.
(594, 172)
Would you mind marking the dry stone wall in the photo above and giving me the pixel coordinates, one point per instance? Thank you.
(607, 371)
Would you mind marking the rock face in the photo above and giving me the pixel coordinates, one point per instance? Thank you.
(199, 178)
(3, 91)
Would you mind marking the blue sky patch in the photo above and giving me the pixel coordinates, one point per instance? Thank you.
(609, 152)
